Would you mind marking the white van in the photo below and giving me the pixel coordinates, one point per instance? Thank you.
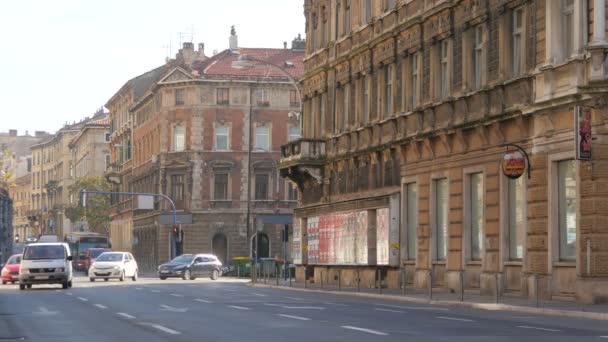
(46, 263)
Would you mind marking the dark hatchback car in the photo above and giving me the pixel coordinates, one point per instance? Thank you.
(191, 266)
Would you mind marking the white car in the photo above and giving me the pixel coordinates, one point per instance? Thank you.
(117, 265)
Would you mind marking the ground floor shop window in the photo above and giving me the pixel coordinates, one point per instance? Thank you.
(566, 197)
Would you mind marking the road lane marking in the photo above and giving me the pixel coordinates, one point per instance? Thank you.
(238, 307)
(338, 304)
(369, 331)
(294, 298)
(176, 295)
(161, 328)
(304, 307)
(258, 294)
(68, 293)
(170, 308)
(537, 328)
(411, 307)
(203, 301)
(101, 306)
(155, 291)
(83, 299)
(45, 311)
(138, 288)
(295, 317)
(389, 310)
(126, 315)
(455, 319)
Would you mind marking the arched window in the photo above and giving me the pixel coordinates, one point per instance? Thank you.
(219, 245)
(260, 246)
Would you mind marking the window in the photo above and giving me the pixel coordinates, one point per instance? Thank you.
(179, 138)
(390, 4)
(179, 97)
(262, 97)
(388, 90)
(262, 137)
(478, 57)
(107, 161)
(294, 99)
(261, 186)
(516, 38)
(414, 82)
(220, 186)
(365, 100)
(223, 96)
(345, 107)
(177, 187)
(221, 138)
(292, 191)
(346, 21)
(367, 11)
(475, 215)
(567, 27)
(440, 208)
(566, 194)
(107, 137)
(411, 219)
(516, 229)
(443, 70)
(294, 133)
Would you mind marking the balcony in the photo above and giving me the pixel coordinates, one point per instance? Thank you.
(303, 160)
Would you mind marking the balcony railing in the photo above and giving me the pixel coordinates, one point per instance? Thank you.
(303, 150)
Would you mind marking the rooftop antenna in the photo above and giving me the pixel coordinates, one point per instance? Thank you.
(192, 31)
(181, 36)
(168, 51)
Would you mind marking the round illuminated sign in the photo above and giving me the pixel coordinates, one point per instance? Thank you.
(513, 164)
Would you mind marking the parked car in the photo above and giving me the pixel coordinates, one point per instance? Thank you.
(46, 263)
(10, 270)
(92, 254)
(191, 266)
(114, 265)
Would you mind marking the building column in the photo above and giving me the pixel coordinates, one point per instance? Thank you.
(599, 64)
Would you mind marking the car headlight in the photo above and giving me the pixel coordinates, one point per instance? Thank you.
(116, 267)
(60, 269)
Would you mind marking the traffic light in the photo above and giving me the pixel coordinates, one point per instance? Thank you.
(177, 233)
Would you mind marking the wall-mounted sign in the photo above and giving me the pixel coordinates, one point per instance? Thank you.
(582, 122)
(513, 164)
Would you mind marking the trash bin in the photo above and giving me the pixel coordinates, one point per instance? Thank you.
(241, 267)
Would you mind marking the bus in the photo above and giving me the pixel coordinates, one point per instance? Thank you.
(80, 242)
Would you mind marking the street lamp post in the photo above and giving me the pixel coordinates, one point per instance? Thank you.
(239, 64)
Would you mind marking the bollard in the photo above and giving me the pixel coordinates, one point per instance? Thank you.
(340, 280)
(238, 271)
(380, 281)
(496, 288)
(403, 281)
(305, 276)
(321, 276)
(430, 284)
(358, 282)
(277, 274)
(462, 286)
(537, 288)
(289, 278)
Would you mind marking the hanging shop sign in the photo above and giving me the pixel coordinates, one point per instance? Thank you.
(513, 163)
(582, 122)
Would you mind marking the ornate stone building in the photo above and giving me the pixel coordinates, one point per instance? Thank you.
(190, 141)
(409, 107)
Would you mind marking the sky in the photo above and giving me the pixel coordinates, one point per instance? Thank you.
(61, 60)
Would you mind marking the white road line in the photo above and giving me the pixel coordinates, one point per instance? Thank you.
(176, 295)
(238, 307)
(101, 306)
(537, 328)
(455, 319)
(165, 329)
(338, 304)
(603, 336)
(125, 315)
(258, 294)
(68, 293)
(369, 331)
(295, 317)
(294, 298)
(155, 291)
(411, 307)
(389, 310)
(83, 299)
(138, 288)
(203, 301)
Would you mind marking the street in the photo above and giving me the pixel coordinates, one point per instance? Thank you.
(228, 310)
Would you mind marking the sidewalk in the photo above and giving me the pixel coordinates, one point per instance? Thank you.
(471, 300)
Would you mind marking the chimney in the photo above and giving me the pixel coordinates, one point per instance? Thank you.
(298, 44)
(201, 49)
(234, 40)
(12, 132)
(186, 53)
(27, 133)
(284, 45)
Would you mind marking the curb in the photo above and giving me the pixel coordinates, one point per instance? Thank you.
(454, 304)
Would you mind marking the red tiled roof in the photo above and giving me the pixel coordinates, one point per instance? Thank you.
(221, 65)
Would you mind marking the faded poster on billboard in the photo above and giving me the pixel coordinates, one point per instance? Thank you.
(582, 120)
(382, 236)
(296, 250)
(312, 228)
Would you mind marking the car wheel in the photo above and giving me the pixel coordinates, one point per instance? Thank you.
(22, 287)
(134, 276)
(186, 275)
(29, 286)
(215, 274)
(3, 282)
(105, 279)
(122, 276)
(92, 280)
(64, 285)
(70, 284)
(12, 282)
(163, 278)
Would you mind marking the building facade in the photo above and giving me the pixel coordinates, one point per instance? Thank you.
(20, 193)
(192, 142)
(409, 108)
(90, 148)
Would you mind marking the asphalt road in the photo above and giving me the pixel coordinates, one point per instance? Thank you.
(228, 310)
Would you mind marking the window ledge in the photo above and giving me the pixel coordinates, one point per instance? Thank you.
(513, 263)
(564, 264)
(409, 262)
(474, 262)
(439, 262)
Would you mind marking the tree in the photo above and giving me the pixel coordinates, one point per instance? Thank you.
(7, 160)
(96, 212)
